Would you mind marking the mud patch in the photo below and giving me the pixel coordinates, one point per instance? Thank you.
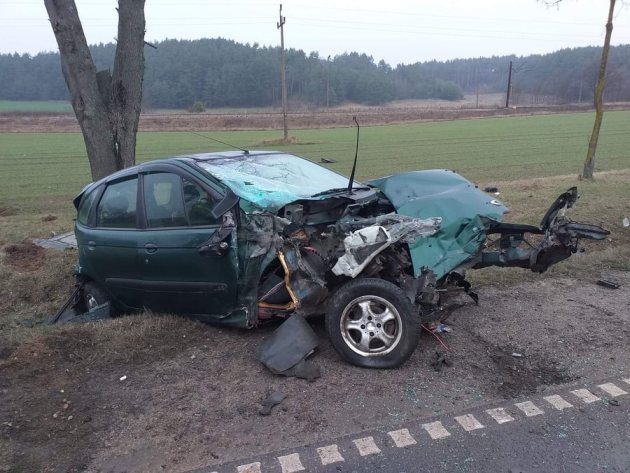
(24, 256)
(49, 218)
(523, 375)
(7, 211)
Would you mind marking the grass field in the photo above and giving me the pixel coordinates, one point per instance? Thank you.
(34, 106)
(532, 159)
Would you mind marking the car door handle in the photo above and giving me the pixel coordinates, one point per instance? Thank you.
(91, 245)
(150, 248)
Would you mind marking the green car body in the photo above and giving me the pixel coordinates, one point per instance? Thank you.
(261, 223)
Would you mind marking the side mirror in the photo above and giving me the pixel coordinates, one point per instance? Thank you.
(230, 199)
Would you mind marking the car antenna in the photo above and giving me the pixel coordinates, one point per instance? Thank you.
(356, 154)
(219, 141)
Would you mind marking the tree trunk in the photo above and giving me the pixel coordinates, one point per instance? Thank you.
(107, 106)
(127, 78)
(80, 75)
(589, 163)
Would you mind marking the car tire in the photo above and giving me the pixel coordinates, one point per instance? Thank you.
(94, 296)
(371, 323)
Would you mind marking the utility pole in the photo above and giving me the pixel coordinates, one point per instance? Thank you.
(509, 87)
(328, 82)
(283, 74)
(477, 83)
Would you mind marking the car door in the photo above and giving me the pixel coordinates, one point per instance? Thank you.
(187, 256)
(107, 237)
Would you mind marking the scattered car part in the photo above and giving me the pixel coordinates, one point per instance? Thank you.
(609, 284)
(286, 350)
(273, 399)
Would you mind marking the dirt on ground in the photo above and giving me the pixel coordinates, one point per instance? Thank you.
(151, 393)
(6, 211)
(25, 256)
(273, 119)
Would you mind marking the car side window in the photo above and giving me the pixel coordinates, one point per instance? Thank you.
(198, 204)
(117, 208)
(163, 200)
(87, 202)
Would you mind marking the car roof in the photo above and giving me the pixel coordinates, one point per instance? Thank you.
(186, 158)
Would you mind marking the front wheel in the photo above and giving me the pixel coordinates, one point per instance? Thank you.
(372, 323)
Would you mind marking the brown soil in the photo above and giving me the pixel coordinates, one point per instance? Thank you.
(192, 391)
(24, 256)
(49, 218)
(7, 211)
(257, 120)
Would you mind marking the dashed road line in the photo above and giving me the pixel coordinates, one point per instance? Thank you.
(558, 402)
(612, 389)
(402, 438)
(529, 408)
(366, 446)
(249, 468)
(291, 463)
(329, 454)
(436, 430)
(585, 395)
(500, 415)
(469, 422)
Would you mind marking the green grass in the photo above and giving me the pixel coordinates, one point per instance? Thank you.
(41, 172)
(34, 106)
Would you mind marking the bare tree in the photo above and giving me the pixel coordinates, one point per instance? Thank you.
(589, 163)
(107, 105)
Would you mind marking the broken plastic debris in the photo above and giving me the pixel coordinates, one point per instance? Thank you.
(443, 328)
(285, 351)
(273, 399)
(625, 222)
(122, 378)
(609, 284)
(517, 355)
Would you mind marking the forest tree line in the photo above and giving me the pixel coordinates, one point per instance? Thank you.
(224, 73)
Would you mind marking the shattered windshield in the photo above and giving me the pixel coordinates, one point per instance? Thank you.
(274, 180)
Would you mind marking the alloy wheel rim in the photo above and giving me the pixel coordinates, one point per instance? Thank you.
(371, 326)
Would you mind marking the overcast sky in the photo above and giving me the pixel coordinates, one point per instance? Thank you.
(399, 31)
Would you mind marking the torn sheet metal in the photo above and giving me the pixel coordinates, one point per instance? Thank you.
(65, 241)
(464, 209)
(362, 246)
(289, 346)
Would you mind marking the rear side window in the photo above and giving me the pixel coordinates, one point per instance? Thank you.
(87, 202)
(117, 208)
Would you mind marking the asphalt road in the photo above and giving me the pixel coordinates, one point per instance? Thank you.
(577, 429)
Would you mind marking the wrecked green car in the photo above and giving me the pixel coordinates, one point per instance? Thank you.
(243, 237)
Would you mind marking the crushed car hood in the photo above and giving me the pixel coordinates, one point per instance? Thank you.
(465, 211)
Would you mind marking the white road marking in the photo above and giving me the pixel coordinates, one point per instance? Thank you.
(585, 395)
(612, 389)
(249, 468)
(366, 446)
(529, 408)
(500, 415)
(402, 438)
(329, 454)
(291, 463)
(436, 430)
(558, 402)
(468, 422)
